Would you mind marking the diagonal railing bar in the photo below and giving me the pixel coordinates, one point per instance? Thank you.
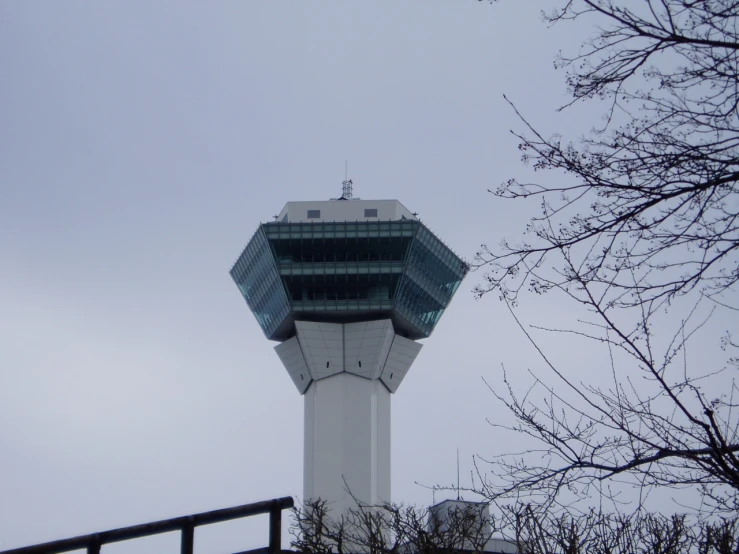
(185, 524)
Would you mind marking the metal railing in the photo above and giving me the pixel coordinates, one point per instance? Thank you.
(185, 524)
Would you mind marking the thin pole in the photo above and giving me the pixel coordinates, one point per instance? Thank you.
(94, 546)
(275, 531)
(188, 537)
(457, 473)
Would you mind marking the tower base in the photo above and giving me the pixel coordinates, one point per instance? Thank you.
(347, 373)
(347, 442)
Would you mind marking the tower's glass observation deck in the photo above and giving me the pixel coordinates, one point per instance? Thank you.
(373, 260)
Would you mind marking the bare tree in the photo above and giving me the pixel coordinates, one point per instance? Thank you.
(393, 529)
(388, 529)
(642, 233)
(596, 532)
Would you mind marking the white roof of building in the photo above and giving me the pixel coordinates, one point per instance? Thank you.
(344, 210)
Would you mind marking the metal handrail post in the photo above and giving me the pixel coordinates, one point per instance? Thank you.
(187, 541)
(94, 546)
(275, 531)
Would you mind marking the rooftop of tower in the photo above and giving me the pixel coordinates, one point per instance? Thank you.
(344, 210)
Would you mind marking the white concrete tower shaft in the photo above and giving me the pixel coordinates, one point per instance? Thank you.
(347, 373)
(347, 441)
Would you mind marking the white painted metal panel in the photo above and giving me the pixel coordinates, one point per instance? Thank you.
(323, 347)
(366, 346)
(292, 358)
(402, 354)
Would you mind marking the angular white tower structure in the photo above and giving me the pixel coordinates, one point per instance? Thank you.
(347, 287)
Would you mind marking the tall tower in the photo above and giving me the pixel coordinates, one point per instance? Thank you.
(347, 287)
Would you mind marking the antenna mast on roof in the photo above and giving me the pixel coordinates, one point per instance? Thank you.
(346, 190)
(457, 473)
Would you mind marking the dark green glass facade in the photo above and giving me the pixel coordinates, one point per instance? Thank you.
(344, 272)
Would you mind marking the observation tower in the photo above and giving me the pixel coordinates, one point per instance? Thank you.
(347, 287)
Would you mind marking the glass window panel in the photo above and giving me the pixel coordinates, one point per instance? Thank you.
(347, 267)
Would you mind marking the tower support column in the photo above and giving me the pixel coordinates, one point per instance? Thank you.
(347, 442)
(347, 373)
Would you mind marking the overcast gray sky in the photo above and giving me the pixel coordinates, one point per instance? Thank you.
(141, 143)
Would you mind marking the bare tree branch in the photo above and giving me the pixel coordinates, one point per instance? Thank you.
(642, 217)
